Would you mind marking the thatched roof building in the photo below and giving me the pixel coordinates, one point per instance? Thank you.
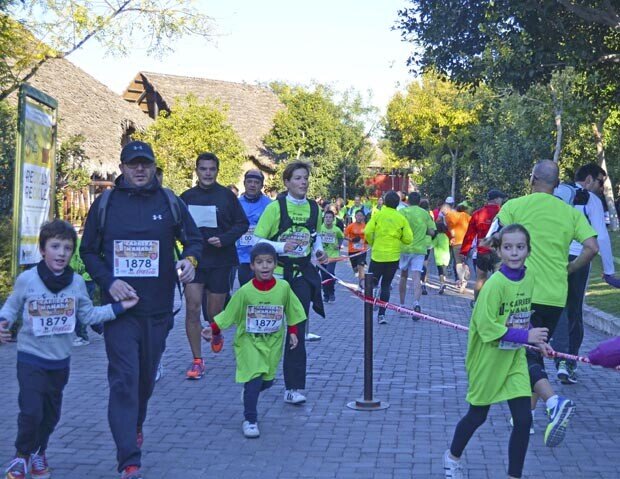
(89, 108)
(251, 109)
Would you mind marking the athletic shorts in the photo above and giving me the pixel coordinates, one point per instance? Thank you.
(411, 262)
(359, 260)
(487, 261)
(216, 280)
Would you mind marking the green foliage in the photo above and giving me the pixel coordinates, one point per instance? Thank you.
(8, 123)
(71, 177)
(325, 131)
(520, 43)
(33, 32)
(193, 128)
(430, 126)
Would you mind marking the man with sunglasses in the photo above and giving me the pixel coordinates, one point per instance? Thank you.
(584, 196)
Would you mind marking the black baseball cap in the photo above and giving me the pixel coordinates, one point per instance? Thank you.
(137, 149)
(494, 194)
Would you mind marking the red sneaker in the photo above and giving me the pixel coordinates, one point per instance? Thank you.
(196, 370)
(18, 469)
(39, 469)
(217, 343)
(131, 472)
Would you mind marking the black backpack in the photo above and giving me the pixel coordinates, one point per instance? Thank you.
(572, 195)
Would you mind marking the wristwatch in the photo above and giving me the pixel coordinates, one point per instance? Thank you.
(192, 260)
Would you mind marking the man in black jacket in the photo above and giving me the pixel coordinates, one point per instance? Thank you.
(222, 221)
(128, 249)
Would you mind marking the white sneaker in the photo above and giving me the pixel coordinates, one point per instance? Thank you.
(80, 342)
(160, 371)
(292, 396)
(381, 319)
(453, 469)
(532, 432)
(250, 430)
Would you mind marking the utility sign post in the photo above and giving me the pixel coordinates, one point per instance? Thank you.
(34, 182)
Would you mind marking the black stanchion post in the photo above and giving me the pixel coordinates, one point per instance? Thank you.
(368, 403)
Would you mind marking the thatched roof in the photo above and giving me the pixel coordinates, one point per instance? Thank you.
(251, 108)
(89, 108)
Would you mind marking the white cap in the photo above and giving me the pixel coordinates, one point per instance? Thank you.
(449, 200)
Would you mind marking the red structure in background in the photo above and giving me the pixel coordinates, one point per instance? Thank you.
(382, 182)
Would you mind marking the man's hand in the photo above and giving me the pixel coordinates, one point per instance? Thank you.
(121, 291)
(293, 340)
(5, 333)
(215, 241)
(321, 257)
(611, 280)
(187, 271)
(537, 335)
(129, 303)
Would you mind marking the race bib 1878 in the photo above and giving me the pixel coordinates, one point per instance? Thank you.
(264, 318)
(52, 315)
(136, 258)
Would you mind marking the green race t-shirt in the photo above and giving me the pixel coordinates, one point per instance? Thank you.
(269, 223)
(552, 225)
(331, 238)
(268, 313)
(420, 221)
(441, 249)
(498, 371)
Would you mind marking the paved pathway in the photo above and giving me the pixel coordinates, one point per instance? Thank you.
(194, 428)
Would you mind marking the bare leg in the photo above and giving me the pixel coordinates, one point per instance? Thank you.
(402, 286)
(417, 285)
(193, 327)
(481, 277)
(215, 304)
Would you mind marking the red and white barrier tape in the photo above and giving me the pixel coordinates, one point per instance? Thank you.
(427, 317)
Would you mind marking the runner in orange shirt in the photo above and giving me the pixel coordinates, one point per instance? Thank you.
(457, 223)
(354, 235)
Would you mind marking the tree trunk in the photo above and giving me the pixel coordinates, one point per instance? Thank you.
(597, 130)
(454, 155)
(558, 134)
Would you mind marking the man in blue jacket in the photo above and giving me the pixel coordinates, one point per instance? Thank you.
(128, 249)
(253, 202)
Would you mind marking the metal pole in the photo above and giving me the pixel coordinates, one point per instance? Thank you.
(368, 403)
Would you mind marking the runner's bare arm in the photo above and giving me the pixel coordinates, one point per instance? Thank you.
(589, 251)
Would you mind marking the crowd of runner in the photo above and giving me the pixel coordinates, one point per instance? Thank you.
(141, 242)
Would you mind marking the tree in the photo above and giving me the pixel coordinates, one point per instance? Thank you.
(522, 43)
(434, 117)
(32, 33)
(330, 134)
(192, 128)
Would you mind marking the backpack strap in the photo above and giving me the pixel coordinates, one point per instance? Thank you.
(102, 212)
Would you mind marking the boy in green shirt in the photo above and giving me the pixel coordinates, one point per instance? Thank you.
(260, 309)
(332, 238)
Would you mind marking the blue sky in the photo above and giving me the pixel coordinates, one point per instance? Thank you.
(343, 43)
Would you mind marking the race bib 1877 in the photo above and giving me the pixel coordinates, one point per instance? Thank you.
(264, 318)
(136, 258)
(52, 315)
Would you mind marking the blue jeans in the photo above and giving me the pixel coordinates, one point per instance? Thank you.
(568, 334)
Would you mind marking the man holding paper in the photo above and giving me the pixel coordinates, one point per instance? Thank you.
(221, 220)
